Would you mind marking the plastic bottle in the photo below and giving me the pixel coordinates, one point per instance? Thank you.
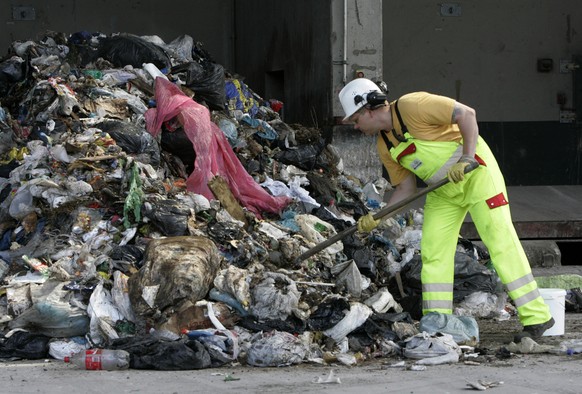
(100, 359)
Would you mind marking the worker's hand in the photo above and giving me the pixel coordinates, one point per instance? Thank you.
(367, 223)
(457, 171)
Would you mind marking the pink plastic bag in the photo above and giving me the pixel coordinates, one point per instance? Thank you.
(214, 155)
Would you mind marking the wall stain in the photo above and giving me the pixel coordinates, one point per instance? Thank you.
(358, 14)
(370, 51)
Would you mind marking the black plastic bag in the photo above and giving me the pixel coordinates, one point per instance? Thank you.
(207, 81)
(328, 314)
(24, 345)
(291, 325)
(133, 140)
(12, 70)
(126, 257)
(470, 277)
(161, 354)
(127, 49)
(169, 216)
(573, 300)
(177, 143)
(305, 157)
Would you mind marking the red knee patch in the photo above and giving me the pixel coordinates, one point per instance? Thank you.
(497, 201)
(480, 160)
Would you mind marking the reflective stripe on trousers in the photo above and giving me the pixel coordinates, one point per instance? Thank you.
(437, 297)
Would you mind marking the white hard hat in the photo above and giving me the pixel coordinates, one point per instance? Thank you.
(353, 96)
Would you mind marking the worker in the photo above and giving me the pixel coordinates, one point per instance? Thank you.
(432, 137)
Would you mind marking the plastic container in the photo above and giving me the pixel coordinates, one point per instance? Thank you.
(153, 71)
(556, 300)
(100, 359)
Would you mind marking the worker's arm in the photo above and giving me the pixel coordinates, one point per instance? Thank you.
(404, 189)
(466, 119)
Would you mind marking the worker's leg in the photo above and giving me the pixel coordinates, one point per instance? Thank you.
(440, 234)
(498, 234)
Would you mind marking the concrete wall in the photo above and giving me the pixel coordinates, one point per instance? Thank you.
(487, 56)
(356, 43)
(210, 22)
(356, 48)
(283, 51)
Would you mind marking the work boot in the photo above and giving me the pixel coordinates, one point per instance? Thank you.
(534, 331)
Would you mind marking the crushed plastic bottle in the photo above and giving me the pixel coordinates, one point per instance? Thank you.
(100, 359)
(36, 265)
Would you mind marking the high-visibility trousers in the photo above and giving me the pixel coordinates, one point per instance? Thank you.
(483, 194)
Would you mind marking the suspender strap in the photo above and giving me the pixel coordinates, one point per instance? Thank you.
(399, 137)
(404, 129)
(386, 140)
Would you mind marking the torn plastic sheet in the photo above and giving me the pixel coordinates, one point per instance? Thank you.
(207, 137)
(236, 282)
(294, 190)
(425, 345)
(463, 329)
(275, 296)
(354, 318)
(348, 275)
(317, 231)
(275, 349)
(382, 301)
(53, 313)
(104, 314)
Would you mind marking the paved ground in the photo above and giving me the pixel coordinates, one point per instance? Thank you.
(533, 373)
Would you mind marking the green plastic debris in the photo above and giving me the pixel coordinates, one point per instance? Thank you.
(134, 198)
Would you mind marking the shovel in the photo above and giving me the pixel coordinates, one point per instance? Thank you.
(386, 211)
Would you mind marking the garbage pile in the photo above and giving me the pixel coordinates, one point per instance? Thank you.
(151, 202)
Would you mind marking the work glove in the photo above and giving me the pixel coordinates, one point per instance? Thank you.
(457, 171)
(367, 223)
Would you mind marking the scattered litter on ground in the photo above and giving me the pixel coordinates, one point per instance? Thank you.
(483, 385)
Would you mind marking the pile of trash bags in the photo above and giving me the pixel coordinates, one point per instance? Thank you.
(150, 201)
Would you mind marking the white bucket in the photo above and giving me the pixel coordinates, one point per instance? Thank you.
(556, 300)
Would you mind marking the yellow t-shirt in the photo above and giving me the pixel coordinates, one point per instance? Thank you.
(427, 117)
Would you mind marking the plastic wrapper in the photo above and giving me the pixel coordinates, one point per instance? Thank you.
(317, 231)
(236, 282)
